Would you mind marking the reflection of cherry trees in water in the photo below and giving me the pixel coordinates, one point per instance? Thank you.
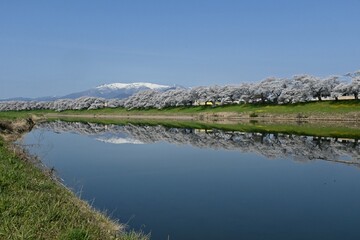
(299, 148)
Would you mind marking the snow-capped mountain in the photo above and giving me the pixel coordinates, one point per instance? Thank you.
(115, 86)
(118, 90)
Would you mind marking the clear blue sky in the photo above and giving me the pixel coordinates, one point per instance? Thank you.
(58, 47)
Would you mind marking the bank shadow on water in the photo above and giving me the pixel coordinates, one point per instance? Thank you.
(272, 145)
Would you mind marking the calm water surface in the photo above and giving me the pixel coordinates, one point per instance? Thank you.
(196, 184)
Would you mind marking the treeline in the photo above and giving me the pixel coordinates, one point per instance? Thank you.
(302, 88)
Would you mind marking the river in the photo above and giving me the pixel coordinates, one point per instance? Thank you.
(183, 183)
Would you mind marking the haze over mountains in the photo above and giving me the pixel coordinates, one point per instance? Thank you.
(107, 91)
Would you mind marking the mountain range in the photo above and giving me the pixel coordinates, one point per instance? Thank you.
(108, 91)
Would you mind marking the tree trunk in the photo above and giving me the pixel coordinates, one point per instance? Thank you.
(262, 98)
(213, 103)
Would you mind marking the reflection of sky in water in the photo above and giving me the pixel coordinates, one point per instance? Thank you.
(189, 190)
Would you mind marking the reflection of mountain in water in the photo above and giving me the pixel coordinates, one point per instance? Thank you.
(300, 148)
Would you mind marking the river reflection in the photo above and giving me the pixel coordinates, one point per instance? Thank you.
(299, 148)
(182, 183)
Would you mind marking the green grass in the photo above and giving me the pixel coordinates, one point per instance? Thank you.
(32, 206)
(310, 108)
(12, 115)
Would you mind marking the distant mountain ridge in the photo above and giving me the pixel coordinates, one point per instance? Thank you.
(118, 90)
(107, 91)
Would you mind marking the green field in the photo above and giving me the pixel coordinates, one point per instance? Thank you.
(12, 115)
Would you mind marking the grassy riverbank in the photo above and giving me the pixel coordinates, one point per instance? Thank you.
(34, 206)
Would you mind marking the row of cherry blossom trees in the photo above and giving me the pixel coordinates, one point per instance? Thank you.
(302, 88)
